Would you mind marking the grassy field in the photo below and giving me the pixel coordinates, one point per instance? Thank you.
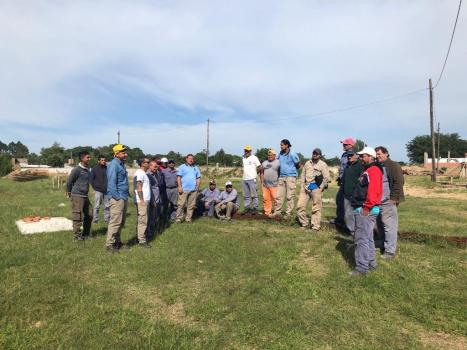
(227, 285)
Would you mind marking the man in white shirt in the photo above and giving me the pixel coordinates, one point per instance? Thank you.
(142, 197)
(251, 166)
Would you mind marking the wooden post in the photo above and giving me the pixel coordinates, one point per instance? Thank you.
(207, 150)
(432, 130)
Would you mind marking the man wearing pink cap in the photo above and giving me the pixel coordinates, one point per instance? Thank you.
(347, 145)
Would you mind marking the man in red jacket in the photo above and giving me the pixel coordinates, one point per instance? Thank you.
(366, 201)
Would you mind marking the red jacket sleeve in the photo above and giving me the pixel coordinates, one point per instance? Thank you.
(375, 187)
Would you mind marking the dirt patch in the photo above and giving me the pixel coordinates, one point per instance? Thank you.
(430, 193)
(174, 313)
(311, 264)
(440, 340)
(461, 241)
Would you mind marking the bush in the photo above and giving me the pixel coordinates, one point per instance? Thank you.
(5, 165)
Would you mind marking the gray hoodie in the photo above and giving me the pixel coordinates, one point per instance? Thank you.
(78, 181)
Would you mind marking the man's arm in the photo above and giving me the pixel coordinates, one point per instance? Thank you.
(397, 192)
(71, 181)
(139, 190)
(325, 177)
(112, 181)
(179, 184)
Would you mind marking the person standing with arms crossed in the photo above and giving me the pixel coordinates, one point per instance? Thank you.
(289, 163)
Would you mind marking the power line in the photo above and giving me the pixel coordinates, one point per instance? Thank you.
(344, 109)
(450, 43)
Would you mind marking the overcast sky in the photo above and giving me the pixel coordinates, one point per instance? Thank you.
(75, 72)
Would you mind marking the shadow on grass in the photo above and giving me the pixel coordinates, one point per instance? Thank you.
(346, 247)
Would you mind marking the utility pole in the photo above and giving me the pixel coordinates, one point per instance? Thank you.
(118, 136)
(432, 130)
(437, 149)
(207, 150)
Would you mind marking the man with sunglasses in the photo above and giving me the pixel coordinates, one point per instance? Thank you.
(350, 177)
(347, 145)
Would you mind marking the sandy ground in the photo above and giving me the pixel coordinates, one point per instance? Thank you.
(432, 193)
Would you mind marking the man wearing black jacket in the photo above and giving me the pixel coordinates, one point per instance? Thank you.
(351, 174)
(98, 181)
(388, 221)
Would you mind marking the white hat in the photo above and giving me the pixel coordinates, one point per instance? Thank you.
(368, 150)
(164, 160)
(228, 183)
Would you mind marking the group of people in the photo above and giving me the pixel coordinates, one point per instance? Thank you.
(370, 189)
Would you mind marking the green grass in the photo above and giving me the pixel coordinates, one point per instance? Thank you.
(218, 285)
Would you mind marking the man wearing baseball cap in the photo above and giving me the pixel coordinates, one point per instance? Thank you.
(117, 191)
(269, 177)
(227, 202)
(313, 181)
(164, 162)
(251, 166)
(171, 188)
(208, 199)
(347, 145)
(352, 172)
(366, 202)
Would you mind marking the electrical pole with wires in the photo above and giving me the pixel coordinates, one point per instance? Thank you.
(432, 130)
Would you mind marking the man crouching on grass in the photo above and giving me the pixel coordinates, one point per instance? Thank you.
(366, 202)
(77, 187)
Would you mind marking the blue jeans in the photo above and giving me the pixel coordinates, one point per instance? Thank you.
(101, 198)
(365, 245)
(388, 223)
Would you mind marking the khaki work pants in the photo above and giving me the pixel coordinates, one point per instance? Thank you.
(81, 214)
(117, 221)
(285, 189)
(188, 200)
(142, 221)
(316, 196)
(226, 210)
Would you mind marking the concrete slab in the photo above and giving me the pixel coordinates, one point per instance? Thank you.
(50, 225)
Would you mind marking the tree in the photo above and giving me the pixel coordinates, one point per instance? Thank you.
(17, 149)
(200, 158)
(359, 145)
(3, 148)
(262, 154)
(134, 154)
(332, 161)
(447, 142)
(34, 158)
(5, 164)
(54, 155)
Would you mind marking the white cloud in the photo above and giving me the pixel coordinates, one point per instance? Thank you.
(237, 59)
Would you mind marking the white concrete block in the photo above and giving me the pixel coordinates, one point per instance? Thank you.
(50, 225)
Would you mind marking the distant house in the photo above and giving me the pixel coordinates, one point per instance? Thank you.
(444, 162)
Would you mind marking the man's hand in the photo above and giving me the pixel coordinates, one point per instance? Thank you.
(392, 201)
(180, 190)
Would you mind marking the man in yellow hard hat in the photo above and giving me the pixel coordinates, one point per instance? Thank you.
(117, 191)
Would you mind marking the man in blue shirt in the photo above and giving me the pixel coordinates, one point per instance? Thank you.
(188, 180)
(289, 163)
(117, 190)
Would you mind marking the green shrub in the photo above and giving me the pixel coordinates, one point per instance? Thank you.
(5, 165)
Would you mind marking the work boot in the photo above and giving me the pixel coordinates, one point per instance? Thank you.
(388, 256)
(112, 249)
(356, 273)
(79, 238)
(254, 211)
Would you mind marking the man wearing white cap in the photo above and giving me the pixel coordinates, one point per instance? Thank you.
(251, 166)
(164, 163)
(227, 202)
(366, 202)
